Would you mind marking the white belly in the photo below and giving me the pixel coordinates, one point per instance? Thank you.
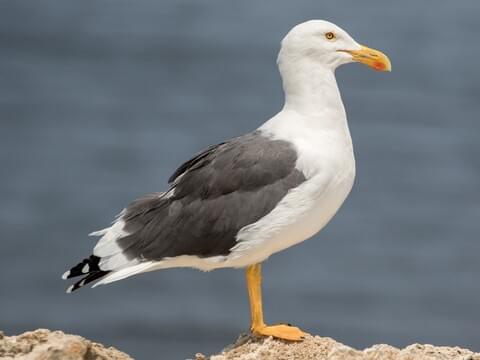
(299, 216)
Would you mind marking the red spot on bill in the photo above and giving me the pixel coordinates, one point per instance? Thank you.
(379, 65)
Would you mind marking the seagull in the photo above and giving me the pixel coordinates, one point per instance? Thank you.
(236, 203)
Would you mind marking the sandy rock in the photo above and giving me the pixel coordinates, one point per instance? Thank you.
(322, 348)
(54, 345)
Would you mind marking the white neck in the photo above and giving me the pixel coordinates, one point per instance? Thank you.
(312, 97)
(311, 89)
(313, 119)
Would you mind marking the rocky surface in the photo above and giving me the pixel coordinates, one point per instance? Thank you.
(323, 348)
(54, 345)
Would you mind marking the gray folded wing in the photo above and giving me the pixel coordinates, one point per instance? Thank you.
(212, 196)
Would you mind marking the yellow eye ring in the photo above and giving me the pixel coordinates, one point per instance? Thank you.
(330, 35)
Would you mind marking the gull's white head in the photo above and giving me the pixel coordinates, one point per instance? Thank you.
(326, 45)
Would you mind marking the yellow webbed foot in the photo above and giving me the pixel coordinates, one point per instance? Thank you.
(284, 332)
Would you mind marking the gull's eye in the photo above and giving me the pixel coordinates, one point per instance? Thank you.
(330, 36)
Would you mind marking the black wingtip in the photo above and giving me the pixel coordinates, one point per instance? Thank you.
(87, 266)
(86, 280)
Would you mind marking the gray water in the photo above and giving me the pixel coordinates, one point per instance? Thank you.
(101, 100)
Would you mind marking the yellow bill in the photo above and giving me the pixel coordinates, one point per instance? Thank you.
(372, 58)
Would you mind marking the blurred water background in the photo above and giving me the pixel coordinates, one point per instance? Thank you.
(101, 100)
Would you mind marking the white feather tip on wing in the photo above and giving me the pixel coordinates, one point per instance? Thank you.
(99, 232)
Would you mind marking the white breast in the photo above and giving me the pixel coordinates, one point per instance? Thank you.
(326, 158)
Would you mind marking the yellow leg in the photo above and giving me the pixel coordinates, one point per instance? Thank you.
(258, 327)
